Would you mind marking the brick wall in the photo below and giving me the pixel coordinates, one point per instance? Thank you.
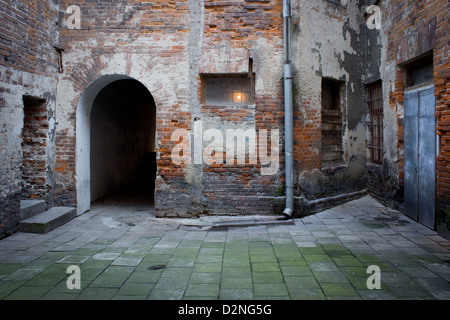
(34, 144)
(28, 68)
(123, 38)
(157, 43)
(28, 34)
(169, 47)
(413, 29)
(327, 44)
(442, 93)
(239, 37)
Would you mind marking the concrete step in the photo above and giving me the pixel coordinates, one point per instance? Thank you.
(48, 220)
(30, 208)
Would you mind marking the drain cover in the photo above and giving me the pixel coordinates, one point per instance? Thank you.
(156, 267)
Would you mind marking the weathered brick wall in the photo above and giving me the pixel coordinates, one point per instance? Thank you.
(412, 29)
(34, 144)
(327, 43)
(244, 37)
(382, 178)
(28, 67)
(442, 93)
(168, 46)
(29, 31)
(143, 40)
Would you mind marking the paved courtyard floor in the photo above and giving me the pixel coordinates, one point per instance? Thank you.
(124, 252)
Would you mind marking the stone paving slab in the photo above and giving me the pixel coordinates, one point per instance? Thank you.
(124, 253)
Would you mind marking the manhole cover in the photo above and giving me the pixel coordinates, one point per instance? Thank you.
(157, 267)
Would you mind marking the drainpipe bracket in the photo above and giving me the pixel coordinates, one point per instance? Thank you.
(287, 71)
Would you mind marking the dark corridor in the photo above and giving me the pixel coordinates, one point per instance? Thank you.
(123, 157)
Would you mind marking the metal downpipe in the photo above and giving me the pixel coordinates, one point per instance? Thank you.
(288, 112)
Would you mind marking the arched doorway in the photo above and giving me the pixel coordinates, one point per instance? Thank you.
(116, 125)
(123, 141)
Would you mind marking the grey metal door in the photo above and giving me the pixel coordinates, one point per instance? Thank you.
(420, 155)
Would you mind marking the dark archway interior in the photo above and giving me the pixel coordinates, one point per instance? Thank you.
(123, 157)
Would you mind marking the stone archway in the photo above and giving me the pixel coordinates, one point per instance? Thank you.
(104, 105)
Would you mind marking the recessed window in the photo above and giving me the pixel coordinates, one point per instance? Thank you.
(420, 71)
(338, 3)
(34, 145)
(227, 91)
(331, 123)
(375, 103)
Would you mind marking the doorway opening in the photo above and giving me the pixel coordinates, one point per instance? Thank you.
(122, 144)
(420, 142)
(332, 124)
(34, 146)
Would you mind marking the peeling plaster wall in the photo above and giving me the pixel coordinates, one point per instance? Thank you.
(168, 47)
(146, 42)
(326, 43)
(410, 30)
(28, 66)
(382, 180)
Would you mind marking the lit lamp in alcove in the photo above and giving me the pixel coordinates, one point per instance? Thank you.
(238, 97)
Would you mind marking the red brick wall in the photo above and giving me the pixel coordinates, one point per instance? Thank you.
(442, 86)
(307, 137)
(110, 28)
(65, 142)
(114, 28)
(239, 24)
(34, 145)
(28, 29)
(28, 67)
(238, 35)
(415, 28)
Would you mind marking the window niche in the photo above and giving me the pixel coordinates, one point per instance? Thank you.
(420, 71)
(34, 145)
(332, 102)
(228, 90)
(374, 96)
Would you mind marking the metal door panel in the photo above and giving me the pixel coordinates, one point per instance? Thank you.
(427, 103)
(427, 158)
(411, 185)
(420, 155)
(411, 104)
(411, 154)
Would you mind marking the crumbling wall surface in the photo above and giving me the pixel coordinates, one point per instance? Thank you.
(28, 68)
(411, 29)
(326, 44)
(168, 46)
(145, 41)
(243, 37)
(382, 178)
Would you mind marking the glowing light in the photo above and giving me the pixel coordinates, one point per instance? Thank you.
(238, 97)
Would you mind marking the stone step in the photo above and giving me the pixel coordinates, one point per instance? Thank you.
(30, 208)
(48, 220)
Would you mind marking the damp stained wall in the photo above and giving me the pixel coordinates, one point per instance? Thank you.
(169, 47)
(326, 43)
(28, 67)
